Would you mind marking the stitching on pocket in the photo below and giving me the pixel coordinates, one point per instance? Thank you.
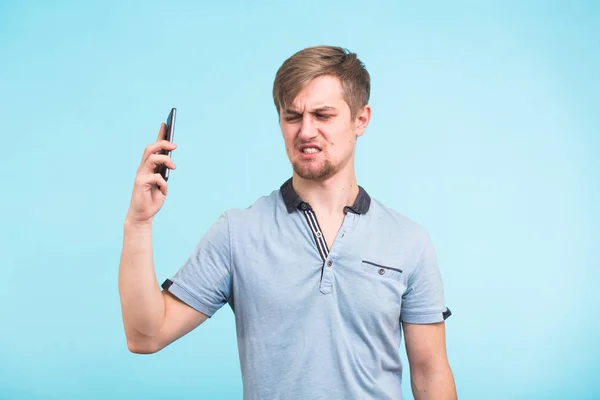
(382, 266)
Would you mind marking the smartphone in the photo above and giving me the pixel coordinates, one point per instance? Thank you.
(162, 169)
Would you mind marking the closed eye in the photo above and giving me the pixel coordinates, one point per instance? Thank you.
(292, 118)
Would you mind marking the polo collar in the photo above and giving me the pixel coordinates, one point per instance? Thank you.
(293, 201)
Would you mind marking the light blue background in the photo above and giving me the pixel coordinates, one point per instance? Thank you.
(485, 130)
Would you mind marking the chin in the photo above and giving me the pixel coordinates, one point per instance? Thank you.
(313, 172)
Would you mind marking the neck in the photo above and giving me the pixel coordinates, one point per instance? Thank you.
(330, 196)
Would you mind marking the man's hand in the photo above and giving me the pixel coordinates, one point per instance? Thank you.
(150, 189)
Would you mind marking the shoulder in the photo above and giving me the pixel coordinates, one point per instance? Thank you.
(411, 240)
(260, 210)
(395, 222)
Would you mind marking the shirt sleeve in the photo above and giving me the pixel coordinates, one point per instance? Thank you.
(204, 281)
(423, 302)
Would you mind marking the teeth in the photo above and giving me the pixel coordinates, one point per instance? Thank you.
(310, 150)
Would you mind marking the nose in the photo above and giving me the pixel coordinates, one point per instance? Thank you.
(308, 129)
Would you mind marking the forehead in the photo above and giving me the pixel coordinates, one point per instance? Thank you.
(321, 91)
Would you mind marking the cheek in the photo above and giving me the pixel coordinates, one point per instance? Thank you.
(288, 141)
(340, 143)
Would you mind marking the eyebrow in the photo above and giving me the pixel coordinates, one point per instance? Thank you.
(316, 110)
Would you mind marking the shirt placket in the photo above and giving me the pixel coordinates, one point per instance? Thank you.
(328, 256)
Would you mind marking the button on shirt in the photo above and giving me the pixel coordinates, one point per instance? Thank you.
(315, 322)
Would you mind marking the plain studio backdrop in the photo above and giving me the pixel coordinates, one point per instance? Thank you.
(485, 131)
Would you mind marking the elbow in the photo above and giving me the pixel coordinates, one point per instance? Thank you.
(137, 348)
(142, 345)
(431, 368)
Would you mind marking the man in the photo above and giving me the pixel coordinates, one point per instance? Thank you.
(322, 278)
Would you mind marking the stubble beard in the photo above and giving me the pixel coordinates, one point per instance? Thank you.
(306, 170)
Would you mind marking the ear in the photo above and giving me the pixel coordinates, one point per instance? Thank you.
(362, 120)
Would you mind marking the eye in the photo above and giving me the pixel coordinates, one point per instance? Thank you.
(323, 116)
(292, 118)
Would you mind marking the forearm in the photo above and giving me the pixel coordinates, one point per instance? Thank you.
(433, 385)
(142, 302)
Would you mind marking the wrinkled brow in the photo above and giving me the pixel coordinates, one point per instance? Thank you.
(314, 111)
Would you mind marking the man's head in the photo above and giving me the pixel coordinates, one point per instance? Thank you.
(322, 94)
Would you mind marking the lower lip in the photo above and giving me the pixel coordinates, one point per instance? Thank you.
(309, 155)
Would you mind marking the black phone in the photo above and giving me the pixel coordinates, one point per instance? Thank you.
(170, 132)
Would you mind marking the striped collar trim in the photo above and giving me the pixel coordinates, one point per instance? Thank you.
(293, 201)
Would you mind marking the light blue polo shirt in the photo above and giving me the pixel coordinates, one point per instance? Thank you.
(315, 322)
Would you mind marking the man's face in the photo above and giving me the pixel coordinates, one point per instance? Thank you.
(318, 131)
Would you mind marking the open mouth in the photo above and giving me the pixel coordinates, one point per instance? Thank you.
(310, 150)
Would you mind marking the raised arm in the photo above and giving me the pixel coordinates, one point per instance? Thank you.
(152, 318)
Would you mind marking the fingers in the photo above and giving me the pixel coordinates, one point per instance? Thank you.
(160, 144)
(152, 180)
(154, 153)
(156, 147)
(162, 132)
(155, 160)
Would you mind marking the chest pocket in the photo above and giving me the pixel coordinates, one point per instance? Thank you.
(373, 290)
(382, 271)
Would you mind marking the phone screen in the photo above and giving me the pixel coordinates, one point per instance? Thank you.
(170, 131)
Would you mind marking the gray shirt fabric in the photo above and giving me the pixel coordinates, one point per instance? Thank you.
(315, 322)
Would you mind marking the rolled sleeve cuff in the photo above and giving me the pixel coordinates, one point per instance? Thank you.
(182, 294)
(426, 318)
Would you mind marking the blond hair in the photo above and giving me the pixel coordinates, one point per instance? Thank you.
(297, 71)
